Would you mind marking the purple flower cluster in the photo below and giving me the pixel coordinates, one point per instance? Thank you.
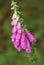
(21, 40)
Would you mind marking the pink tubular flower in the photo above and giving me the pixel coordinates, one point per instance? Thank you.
(23, 41)
(30, 37)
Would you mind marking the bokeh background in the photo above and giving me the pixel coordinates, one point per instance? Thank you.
(33, 15)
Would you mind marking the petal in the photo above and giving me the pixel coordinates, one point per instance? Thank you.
(23, 37)
(16, 43)
(28, 47)
(13, 37)
(23, 43)
(12, 40)
(19, 31)
(14, 22)
(14, 29)
(30, 37)
(18, 47)
(19, 25)
(18, 36)
(17, 40)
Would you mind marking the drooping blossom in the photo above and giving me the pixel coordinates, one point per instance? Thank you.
(30, 37)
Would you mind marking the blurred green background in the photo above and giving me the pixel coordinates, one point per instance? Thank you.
(33, 15)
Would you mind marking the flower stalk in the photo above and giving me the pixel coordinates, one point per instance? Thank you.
(20, 37)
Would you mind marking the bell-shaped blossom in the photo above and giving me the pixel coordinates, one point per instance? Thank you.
(30, 37)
